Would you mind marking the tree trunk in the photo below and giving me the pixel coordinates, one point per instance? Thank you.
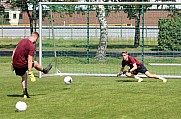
(101, 52)
(30, 18)
(137, 31)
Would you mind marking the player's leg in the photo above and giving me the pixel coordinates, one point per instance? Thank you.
(40, 68)
(149, 75)
(134, 75)
(138, 78)
(22, 72)
(24, 85)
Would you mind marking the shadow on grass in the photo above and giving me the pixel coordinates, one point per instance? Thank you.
(126, 80)
(144, 80)
(17, 95)
(66, 88)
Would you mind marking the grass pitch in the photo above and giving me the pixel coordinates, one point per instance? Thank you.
(90, 98)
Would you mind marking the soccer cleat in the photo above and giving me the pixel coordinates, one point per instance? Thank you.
(47, 69)
(164, 80)
(25, 96)
(140, 80)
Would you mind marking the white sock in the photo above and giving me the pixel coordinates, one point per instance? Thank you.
(136, 77)
(161, 78)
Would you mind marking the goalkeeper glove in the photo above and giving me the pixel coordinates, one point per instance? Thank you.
(119, 74)
(124, 72)
(31, 75)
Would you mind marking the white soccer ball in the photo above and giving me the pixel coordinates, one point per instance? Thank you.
(68, 80)
(21, 106)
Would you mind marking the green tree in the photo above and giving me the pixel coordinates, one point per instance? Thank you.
(2, 9)
(2, 13)
(135, 12)
(169, 30)
(24, 6)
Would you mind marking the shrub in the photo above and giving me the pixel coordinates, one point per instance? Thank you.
(169, 37)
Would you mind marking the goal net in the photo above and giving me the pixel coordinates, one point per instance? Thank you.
(87, 38)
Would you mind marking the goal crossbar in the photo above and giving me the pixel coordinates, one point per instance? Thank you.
(109, 3)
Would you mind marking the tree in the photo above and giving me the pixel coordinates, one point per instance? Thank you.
(2, 9)
(2, 12)
(169, 29)
(24, 6)
(101, 14)
(134, 12)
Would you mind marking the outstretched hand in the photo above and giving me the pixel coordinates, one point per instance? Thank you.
(121, 73)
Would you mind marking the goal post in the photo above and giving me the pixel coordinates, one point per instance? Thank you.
(70, 34)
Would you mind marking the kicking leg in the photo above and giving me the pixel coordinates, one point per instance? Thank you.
(40, 68)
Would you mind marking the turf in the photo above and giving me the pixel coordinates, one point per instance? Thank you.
(90, 98)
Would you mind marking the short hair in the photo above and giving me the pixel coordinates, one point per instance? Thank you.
(35, 33)
(124, 52)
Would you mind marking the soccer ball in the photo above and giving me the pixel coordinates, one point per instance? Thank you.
(21, 106)
(68, 80)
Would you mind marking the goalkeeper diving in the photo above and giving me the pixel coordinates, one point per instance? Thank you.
(22, 61)
(135, 67)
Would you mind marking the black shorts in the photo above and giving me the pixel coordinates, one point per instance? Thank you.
(22, 71)
(142, 69)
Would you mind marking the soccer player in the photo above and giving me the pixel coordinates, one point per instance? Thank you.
(135, 68)
(22, 61)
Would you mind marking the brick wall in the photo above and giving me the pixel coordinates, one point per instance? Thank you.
(114, 18)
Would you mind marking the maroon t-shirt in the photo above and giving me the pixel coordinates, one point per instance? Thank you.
(24, 48)
(130, 62)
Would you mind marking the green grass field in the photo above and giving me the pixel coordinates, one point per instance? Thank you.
(89, 97)
(81, 44)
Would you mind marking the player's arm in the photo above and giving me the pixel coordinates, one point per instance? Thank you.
(122, 69)
(30, 60)
(12, 68)
(121, 72)
(134, 68)
(13, 53)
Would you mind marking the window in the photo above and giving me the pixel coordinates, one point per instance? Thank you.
(14, 16)
(6, 15)
(20, 16)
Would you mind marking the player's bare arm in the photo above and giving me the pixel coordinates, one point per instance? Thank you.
(134, 68)
(30, 60)
(13, 53)
(122, 69)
